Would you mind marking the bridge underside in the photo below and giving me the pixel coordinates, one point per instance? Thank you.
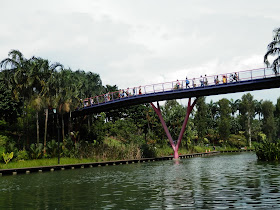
(241, 86)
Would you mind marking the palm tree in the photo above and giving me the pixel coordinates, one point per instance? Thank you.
(273, 49)
(258, 108)
(233, 106)
(247, 109)
(236, 106)
(34, 80)
(36, 103)
(67, 93)
(213, 111)
(47, 76)
(18, 66)
(224, 125)
(268, 121)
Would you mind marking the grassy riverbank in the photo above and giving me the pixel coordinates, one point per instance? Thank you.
(44, 162)
(157, 152)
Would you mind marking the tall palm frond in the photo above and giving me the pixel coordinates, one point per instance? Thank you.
(273, 49)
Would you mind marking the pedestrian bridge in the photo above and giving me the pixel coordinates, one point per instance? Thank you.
(256, 79)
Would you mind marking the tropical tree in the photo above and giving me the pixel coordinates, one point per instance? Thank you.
(18, 79)
(247, 110)
(258, 108)
(138, 115)
(89, 84)
(273, 50)
(234, 106)
(200, 118)
(277, 117)
(36, 103)
(268, 127)
(47, 74)
(224, 121)
(173, 114)
(66, 95)
(17, 66)
(35, 80)
(213, 112)
(9, 108)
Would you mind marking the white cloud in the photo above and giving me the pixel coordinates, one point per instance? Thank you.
(131, 43)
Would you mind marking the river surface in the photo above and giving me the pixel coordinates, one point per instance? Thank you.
(219, 182)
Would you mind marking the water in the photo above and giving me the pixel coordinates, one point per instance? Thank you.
(219, 182)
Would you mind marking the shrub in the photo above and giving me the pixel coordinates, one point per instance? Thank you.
(36, 151)
(22, 155)
(52, 149)
(3, 140)
(8, 156)
(11, 147)
(3, 124)
(148, 151)
(205, 141)
(70, 149)
(2, 150)
(268, 151)
(201, 149)
(237, 141)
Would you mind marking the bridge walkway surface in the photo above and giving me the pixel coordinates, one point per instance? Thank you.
(256, 79)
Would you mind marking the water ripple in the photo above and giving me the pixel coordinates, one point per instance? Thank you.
(219, 182)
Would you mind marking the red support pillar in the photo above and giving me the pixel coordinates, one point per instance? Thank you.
(157, 110)
(175, 147)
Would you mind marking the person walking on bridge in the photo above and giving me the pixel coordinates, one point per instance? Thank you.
(235, 77)
(127, 92)
(216, 80)
(201, 81)
(224, 79)
(205, 81)
(187, 83)
(193, 82)
(178, 84)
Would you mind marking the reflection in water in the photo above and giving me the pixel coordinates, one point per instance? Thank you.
(221, 181)
(176, 161)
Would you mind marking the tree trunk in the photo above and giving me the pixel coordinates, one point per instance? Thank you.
(27, 131)
(53, 127)
(89, 123)
(249, 131)
(62, 127)
(70, 124)
(46, 129)
(38, 128)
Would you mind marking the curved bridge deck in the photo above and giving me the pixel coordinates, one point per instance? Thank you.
(257, 79)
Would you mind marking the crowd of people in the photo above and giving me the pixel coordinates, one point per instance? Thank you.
(138, 91)
(127, 93)
(109, 96)
(204, 81)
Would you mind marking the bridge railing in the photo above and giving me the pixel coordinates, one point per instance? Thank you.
(201, 82)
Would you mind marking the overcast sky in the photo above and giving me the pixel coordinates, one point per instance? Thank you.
(131, 43)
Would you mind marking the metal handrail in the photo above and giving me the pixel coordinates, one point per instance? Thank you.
(201, 82)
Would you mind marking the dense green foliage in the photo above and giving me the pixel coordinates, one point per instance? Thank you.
(38, 97)
(224, 121)
(269, 151)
